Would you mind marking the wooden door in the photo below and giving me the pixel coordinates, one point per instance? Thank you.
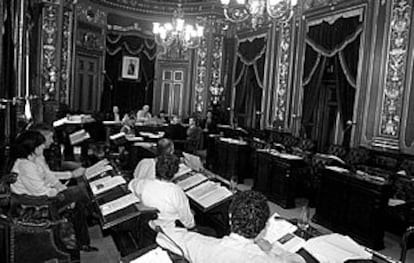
(87, 91)
(172, 89)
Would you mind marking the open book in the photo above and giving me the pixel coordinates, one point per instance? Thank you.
(335, 248)
(97, 169)
(106, 184)
(208, 193)
(190, 180)
(79, 136)
(118, 204)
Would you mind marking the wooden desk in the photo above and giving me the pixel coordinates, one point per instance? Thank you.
(277, 176)
(232, 160)
(350, 205)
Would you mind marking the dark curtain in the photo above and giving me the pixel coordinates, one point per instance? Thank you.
(340, 41)
(128, 94)
(249, 75)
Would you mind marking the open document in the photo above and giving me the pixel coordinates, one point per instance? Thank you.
(335, 248)
(79, 136)
(97, 169)
(118, 204)
(190, 180)
(107, 184)
(208, 193)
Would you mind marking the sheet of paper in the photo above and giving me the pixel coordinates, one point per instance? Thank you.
(337, 169)
(79, 136)
(118, 204)
(100, 181)
(277, 228)
(182, 169)
(330, 156)
(111, 122)
(134, 139)
(108, 185)
(156, 255)
(335, 248)
(117, 136)
(191, 181)
(290, 156)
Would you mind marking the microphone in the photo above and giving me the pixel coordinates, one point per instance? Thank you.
(158, 229)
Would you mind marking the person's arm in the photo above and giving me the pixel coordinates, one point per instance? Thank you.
(183, 208)
(33, 182)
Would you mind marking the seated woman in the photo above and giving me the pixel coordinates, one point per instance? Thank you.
(34, 178)
(167, 197)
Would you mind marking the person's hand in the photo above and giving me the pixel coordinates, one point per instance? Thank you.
(78, 172)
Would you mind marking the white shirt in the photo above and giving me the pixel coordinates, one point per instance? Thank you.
(168, 198)
(145, 169)
(229, 249)
(31, 179)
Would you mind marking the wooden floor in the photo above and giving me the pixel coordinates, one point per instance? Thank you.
(108, 252)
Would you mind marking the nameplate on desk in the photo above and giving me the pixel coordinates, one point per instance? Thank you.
(118, 204)
(107, 184)
(208, 193)
(190, 180)
(79, 136)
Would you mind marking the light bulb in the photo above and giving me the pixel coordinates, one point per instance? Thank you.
(274, 2)
(225, 2)
(294, 2)
(241, 2)
(180, 24)
(155, 28)
(163, 33)
(200, 31)
(168, 26)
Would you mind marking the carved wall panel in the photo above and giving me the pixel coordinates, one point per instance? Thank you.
(201, 77)
(395, 76)
(216, 88)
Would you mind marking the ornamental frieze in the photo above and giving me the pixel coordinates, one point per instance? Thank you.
(396, 64)
(201, 76)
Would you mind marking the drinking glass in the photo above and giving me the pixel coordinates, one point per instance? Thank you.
(304, 218)
(233, 184)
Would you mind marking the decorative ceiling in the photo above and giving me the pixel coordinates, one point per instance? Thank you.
(165, 7)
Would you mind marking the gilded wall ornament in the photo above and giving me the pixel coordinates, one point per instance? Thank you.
(216, 89)
(396, 64)
(49, 39)
(201, 77)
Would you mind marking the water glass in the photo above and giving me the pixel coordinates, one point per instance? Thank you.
(304, 218)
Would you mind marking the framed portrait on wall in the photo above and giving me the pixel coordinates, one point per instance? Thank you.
(130, 68)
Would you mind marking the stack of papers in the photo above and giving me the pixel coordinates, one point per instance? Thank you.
(97, 169)
(208, 193)
(190, 180)
(106, 184)
(337, 169)
(335, 248)
(118, 204)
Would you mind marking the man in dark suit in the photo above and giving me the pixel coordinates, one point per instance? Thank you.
(176, 131)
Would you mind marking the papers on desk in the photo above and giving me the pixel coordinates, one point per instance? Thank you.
(79, 136)
(208, 193)
(134, 138)
(157, 255)
(97, 169)
(190, 180)
(145, 144)
(182, 169)
(118, 204)
(233, 141)
(289, 156)
(111, 122)
(280, 232)
(331, 157)
(117, 136)
(151, 135)
(335, 248)
(337, 169)
(74, 119)
(106, 184)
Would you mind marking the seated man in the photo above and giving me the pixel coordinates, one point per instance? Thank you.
(175, 131)
(248, 214)
(35, 178)
(146, 167)
(167, 197)
(144, 115)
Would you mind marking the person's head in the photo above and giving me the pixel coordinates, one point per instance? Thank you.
(29, 143)
(165, 146)
(248, 213)
(46, 130)
(115, 109)
(146, 108)
(192, 121)
(209, 114)
(175, 120)
(166, 166)
(163, 114)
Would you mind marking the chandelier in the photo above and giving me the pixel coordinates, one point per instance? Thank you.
(237, 11)
(178, 32)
